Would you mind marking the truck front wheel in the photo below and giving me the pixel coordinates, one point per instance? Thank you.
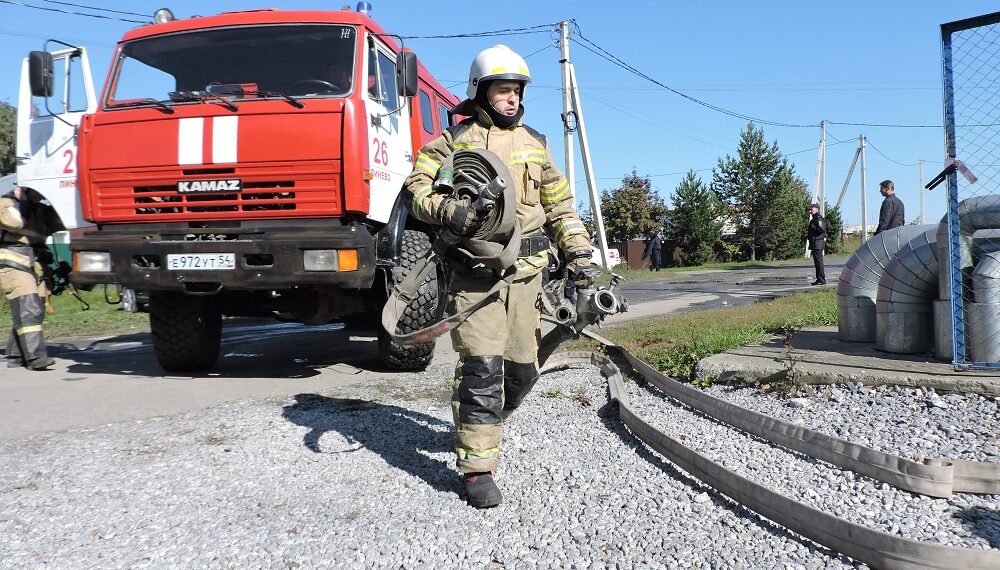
(425, 309)
(187, 331)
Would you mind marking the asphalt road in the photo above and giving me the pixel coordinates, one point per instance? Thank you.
(115, 379)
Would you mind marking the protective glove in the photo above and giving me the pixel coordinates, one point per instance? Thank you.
(458, 218)
(582, 272)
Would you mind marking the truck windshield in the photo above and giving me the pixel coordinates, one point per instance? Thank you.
(238, 63)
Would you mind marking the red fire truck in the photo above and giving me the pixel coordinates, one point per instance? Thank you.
(250, 164)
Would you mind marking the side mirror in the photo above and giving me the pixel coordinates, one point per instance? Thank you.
(406, 73)
(40, 74)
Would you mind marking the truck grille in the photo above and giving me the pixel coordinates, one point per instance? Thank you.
(255, 197)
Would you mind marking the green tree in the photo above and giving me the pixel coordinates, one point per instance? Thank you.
(587, 217)
(786, 216)
(834, 229)
(634, 210)
(695, 222)
(758, 187)
(8, 138)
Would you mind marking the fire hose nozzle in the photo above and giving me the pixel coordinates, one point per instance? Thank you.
(565, 313)
(488, 194)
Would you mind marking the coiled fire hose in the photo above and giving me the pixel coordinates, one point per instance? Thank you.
(480, 180)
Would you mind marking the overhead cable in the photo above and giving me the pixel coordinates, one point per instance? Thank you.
(608, 56)
(95, 8)
(543, 28)
(70, 12)
(869, 143)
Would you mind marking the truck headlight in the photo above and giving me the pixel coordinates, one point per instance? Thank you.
(92, 261)
(319, 260)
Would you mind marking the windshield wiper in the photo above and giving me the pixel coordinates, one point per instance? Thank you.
(202, 96)
(295, 102)
(147, 101)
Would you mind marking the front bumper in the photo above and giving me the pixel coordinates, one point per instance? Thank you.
(268, 257)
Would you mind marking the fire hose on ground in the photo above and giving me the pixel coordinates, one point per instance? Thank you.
(931, 477)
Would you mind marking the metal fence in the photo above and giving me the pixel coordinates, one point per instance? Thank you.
(969, 288)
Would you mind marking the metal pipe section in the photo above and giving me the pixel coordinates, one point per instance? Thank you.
(857, 288)
(904, 320)
(979, 232)
(984, 314)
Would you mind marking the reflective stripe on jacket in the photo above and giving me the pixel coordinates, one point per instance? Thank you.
(544, 199)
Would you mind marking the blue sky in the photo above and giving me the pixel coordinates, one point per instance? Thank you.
(791, 62)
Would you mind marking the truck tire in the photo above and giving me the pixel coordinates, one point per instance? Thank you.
(425, 309)
(187, 331)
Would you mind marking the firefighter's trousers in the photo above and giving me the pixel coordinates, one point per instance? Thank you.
(27, 309)
(498, 362)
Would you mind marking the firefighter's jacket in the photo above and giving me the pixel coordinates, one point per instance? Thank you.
(24, 226)
(544, 199)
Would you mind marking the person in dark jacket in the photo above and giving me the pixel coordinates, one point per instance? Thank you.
(654, 250)
(816, 232)
(891, 215)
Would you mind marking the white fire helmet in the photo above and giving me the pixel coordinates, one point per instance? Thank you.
(497, 62)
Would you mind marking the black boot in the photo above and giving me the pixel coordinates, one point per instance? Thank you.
(481, 490)
(40, 363)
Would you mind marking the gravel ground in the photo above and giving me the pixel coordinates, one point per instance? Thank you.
(910, 422)
(364, 478)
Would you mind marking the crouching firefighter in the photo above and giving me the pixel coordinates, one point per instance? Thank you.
(497, 342)
(26, 220)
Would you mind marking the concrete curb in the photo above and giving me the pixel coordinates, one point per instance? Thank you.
(823, 359)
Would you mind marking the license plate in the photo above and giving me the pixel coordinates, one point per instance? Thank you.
(189, 186)
(201, 261)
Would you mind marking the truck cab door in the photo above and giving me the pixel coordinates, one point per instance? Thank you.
(46, 134)
(390, 150)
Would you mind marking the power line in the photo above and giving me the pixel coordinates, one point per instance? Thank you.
(61, 11)
(543, 28)
(869, 143)
(606, 55)
(95, 8)
(5, 32)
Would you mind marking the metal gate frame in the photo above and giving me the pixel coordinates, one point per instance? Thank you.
(958, 249)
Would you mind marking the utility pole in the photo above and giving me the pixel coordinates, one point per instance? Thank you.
(922, 192)
(822, 162)
(864, 191)
(568, 117)
(576, 111)
(819, 193)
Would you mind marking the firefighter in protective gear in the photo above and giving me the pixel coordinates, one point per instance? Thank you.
(498, 343)
(26, 220)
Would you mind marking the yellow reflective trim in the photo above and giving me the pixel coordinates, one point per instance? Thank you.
(420, 195)
(498, 70)
(29, 329)
(555, 194)
(422, 156)
(463, 452)
(428, 164)
(568, 229)
(464, 146)
(530, 151)
(528, 156)
(523, 70)
(536, 261)
(8, 255)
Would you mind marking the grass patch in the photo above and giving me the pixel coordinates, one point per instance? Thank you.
(675, 343)
(70, 320)
(629, 274)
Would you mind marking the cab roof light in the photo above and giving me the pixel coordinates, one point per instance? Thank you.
(364, 8)
(163, 15)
